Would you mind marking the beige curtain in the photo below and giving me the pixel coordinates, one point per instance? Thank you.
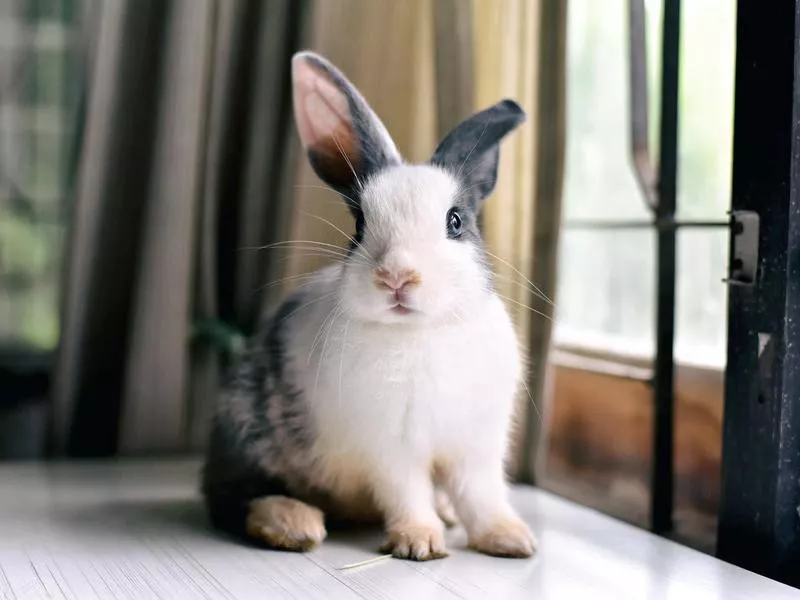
(521, 52)
(506, 47)
(186, 139)
(424, 65)
(549, 160)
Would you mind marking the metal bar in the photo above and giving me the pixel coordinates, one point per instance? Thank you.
(640, 123)
(658, 224)
(759, 528)
(661, 502)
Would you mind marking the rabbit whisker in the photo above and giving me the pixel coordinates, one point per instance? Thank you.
(329, 257)
(536, 408)
(292, 243)
(349, 237)
(305, 277)
(331, 250)
(323, 354)
(341, 361)
(535, 292)
(521, 274)
(467, 157)
(328, 189)
(307, 304)
(347, 160)
(318, 335)
(533, 310)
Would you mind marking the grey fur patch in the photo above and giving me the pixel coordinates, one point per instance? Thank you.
(470, 233)
(358, 236)
(471, 151)
(261, 430)
(375, 149)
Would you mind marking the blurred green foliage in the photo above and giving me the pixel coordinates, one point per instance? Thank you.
(37, 103)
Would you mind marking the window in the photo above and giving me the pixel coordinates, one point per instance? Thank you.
(38, 92)
(606, 293)
(600, 449)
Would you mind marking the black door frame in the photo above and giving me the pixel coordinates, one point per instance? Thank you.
(759, 525)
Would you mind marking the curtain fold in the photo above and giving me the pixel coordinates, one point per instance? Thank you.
(156, 359)
(106, 228)
(549, 160)
(180, 170)
(507, 66)
(520, 53)
(454, 50)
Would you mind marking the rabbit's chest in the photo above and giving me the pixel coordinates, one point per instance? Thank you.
(418, 391)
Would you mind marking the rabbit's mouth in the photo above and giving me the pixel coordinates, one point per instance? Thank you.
(400, 309)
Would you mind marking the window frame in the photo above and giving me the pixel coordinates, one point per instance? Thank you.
(758, 523)
(759, 527)
(658, 186)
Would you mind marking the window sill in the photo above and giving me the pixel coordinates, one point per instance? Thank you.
(137, 528)
(638, 367)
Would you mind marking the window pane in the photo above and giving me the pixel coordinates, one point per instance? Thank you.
(599, 181)
(702, 308)
(708, 41)
(606, 291)
(35, 107)
(597, 267)
(47, 77)
(47, 170)
(606, 296)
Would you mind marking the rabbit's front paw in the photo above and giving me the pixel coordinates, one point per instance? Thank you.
(415, 542)
(508, 537)
(286, 523)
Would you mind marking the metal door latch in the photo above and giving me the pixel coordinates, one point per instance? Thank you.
(744, 248)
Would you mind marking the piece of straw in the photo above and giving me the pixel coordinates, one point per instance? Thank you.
(364, 563)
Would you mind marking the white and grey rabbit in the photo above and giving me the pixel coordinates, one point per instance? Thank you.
(382, 390)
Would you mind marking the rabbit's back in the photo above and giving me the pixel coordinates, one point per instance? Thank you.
(262, 429)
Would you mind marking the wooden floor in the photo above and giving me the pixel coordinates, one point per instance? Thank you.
(137, 530)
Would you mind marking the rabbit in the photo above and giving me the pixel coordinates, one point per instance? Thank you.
(382, 390)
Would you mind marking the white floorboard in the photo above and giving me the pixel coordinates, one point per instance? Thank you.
(137, 530)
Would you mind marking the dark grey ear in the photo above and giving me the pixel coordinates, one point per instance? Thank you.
(471, 151)
(345, 140)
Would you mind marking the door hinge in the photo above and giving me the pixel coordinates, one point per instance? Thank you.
(743, 268)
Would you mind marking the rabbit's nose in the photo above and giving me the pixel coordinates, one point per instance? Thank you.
(396, 281)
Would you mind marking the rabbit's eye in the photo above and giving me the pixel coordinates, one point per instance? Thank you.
(453, 223)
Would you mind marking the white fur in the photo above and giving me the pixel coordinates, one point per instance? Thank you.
(396, 394)
(397, 397)
(405, 208)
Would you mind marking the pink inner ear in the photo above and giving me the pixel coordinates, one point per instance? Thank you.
(321, 110)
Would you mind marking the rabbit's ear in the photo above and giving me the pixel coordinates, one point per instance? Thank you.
(345, 140)
(472, 150)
